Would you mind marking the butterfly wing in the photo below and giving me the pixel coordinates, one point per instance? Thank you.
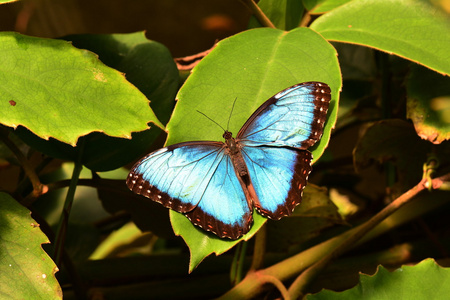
(293, 117)
(273, 143)
(197, 179)
(278, 176)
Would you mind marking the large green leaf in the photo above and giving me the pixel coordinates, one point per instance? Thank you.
(147, 64)
(150, 67)
(429, 104)
(413, 29)
(426, 280)
(26, 271)
(251, 66)
(56, 90)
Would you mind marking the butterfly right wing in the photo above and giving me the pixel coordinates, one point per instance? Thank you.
(273, 143)
(294, 117)
(278, 176)
(198, 180)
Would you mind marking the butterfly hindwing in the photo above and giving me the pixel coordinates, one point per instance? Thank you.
(279, 176)
(224, 209)
(293, 117)
(197, 179)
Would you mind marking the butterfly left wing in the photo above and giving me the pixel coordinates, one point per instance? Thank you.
(198, 180)
(293, 117)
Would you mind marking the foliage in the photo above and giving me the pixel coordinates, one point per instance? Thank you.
(409, 283)
(76, 113)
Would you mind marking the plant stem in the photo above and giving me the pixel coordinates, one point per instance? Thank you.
(276, 282)
(258, 13)
(260, 249)
(64, 219)
(238, 263)
(305, 19)
(241, 260)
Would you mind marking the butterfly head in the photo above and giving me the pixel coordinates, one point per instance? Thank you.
(227, 135)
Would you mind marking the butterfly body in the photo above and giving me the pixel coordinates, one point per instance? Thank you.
(216, 185)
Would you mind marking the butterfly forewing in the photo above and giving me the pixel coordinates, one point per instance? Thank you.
(293, 117)
(197, 179)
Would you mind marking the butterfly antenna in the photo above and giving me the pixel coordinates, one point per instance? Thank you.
(231, 113)
(212, 120)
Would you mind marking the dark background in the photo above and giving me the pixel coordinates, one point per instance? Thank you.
(186, 27)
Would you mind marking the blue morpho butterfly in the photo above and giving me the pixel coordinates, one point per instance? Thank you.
(216, 185)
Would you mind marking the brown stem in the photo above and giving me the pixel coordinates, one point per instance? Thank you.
(275, 282)
(258, 13)
(305, 19)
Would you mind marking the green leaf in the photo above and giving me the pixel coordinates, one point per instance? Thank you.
(26, 271)
(413, 29)
(150, 67)
(251, 66)
(113, 243)
(426, 280)
(146, 63)
(322, 6)
(428, 104)
(202, 243)
(284, 14)
(7, 1)
(56, 90)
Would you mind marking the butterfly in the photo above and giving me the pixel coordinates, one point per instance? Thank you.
(216, 185)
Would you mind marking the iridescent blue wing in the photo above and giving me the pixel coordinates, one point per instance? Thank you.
(273, 143)
(198, 180)
(278, 176)
(293, 117)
